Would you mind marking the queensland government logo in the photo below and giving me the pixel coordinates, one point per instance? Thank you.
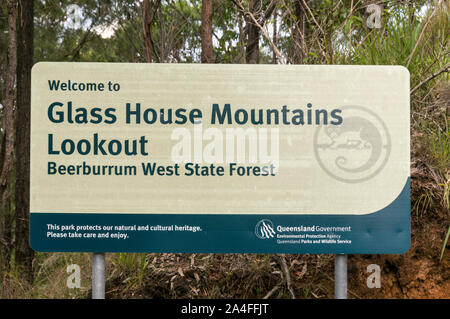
(264, 229)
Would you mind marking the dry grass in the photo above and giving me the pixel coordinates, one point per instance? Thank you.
(430, 158)
(217, 276)
(50, 278)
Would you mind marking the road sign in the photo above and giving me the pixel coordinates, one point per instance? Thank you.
(219, 158)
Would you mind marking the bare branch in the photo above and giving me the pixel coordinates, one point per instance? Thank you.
(431, 77)
(421, 34)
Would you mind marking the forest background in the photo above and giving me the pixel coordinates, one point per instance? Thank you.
(399, 32)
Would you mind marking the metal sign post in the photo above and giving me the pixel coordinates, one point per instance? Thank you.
(98, 276)
(340, 276)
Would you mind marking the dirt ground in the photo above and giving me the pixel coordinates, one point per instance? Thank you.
(416, 274)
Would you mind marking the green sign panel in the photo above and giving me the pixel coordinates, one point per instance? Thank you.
(220, 158)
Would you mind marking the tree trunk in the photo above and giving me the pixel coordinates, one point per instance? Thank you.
(23, 252)
(241, 43)
(252, 49)
(146, 26)
(7, 145)
(206, 32)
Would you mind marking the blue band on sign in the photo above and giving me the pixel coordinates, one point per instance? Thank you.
(225, 233)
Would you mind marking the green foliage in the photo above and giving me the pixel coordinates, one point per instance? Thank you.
(440, 145)
(133, 267)
(445, 244)
(446, 187)
(422, 204)
(418, 44)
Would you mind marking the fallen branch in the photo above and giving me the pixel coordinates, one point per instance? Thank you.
(287, 275)
(270, 293)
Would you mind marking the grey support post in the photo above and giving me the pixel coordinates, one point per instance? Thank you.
(340, 276)
(98, 276)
